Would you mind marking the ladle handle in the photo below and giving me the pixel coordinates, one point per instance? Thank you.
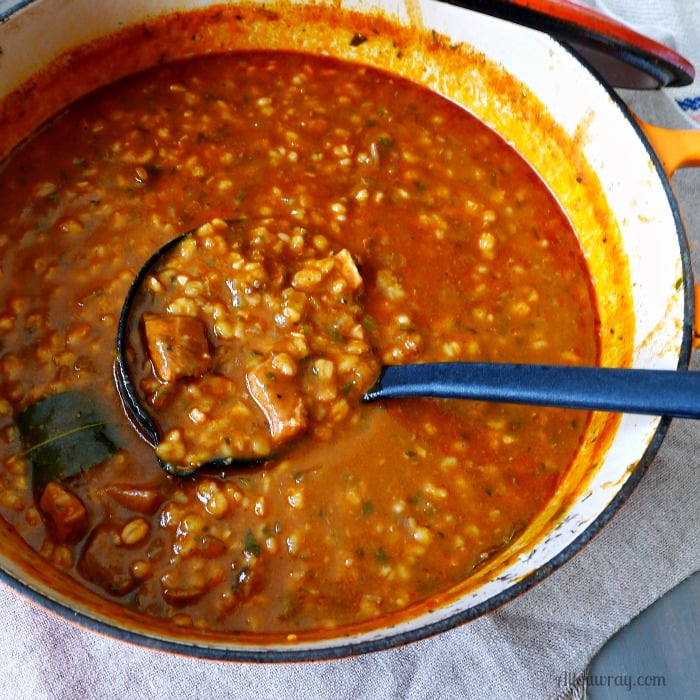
(639, 391)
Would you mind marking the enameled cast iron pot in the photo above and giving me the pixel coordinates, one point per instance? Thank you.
(563, 119)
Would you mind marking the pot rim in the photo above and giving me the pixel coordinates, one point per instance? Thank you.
(631, 60)
(335, 648)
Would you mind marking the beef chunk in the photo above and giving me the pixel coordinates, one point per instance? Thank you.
(177, 345)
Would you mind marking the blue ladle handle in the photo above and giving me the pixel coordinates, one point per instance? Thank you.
(638, 391)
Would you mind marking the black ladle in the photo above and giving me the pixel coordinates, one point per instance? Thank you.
(669, 393)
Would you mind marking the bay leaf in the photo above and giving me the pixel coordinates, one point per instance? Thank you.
(65, 434)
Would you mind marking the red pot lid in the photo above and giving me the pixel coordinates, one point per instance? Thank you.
(622, 56)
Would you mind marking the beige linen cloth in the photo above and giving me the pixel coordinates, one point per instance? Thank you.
(533, 647)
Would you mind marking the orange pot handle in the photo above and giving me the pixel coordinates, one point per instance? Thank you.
(677, 149)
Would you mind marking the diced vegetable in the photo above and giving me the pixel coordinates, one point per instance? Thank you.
(65, 511)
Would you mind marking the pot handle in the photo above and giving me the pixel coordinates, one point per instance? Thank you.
(677, 149)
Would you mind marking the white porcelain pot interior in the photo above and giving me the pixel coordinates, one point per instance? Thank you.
(642, 210)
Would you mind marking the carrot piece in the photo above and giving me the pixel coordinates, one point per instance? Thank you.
(66, 512)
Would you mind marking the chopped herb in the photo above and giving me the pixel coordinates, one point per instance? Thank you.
(381, 556)
(251, 546)
(160, 392)
(367, 507)
(336, 335)
(369, 324)
(153, 169)
(358, 39)
(289, 610)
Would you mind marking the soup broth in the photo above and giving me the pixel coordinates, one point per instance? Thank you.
(464, 255)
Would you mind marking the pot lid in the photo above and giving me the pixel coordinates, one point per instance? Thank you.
(623, 57)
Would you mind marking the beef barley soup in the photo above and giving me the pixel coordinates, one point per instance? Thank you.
(462, 252)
